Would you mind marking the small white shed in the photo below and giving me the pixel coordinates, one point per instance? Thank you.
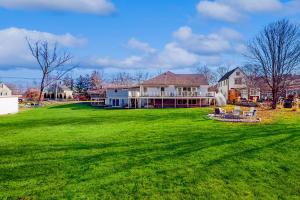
(9, 105)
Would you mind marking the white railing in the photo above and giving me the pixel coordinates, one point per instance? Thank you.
(170, 94)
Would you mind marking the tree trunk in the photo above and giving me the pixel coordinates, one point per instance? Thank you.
(40, 96)
(275, 99)
(41, 90)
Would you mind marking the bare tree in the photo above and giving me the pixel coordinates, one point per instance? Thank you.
(209, 75)
(252, 75)
(50, 61)
(276, 50)
(122, 78)
(140, 76)
(68, 81)
(221, 71)
(96, 80)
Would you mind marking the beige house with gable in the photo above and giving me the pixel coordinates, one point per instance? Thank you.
(4, 90)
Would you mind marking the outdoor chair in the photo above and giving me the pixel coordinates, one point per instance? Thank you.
(250, 113)
(236, 110)
(220, 111)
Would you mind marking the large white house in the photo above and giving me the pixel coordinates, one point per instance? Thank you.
(8, 103)
(234, 84)
(171, 90)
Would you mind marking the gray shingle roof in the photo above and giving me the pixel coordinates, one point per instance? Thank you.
(226, 76)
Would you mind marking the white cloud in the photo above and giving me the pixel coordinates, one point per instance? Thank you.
(129, 62)
(230, 34)
(235, 10)
(218, 11)
(174, 56)
(212, 43)
(101, 7)
(14, 49)
(140, 46)
(257, 5)
(186, 50)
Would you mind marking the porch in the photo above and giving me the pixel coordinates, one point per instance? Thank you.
(170, 102)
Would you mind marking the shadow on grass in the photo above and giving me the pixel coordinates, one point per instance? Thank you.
(74, 106)
(130, 154)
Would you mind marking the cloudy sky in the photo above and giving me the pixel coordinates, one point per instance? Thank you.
(151, 35)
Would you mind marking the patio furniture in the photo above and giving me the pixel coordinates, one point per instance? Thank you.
(220, 111)
(236, 110)
(250, 113)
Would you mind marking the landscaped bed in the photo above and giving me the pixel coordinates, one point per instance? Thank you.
(78, 152)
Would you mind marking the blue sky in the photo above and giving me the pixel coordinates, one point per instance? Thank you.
(150, 35)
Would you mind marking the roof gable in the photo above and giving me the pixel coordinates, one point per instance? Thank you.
(228, 74)
(170, 78)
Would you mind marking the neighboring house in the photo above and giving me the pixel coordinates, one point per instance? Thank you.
(117, 96)
(171, 90)
(234, 84)
(97, 97)
(293, 87)
(8, 103)
(4, 90)
(62, 92)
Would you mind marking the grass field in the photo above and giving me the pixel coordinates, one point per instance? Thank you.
(77, 152)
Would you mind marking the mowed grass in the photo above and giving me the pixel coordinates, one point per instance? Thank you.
(78, 152)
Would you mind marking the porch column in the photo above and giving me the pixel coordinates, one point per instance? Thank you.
(175, 102)
(187, 103)
(200, 102)
(147, 103)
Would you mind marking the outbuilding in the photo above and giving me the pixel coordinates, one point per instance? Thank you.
(8, 104)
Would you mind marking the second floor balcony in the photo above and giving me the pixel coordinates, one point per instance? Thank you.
(171, 94)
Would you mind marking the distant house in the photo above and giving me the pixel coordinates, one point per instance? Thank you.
(4, 90)
(62, 92)
(8, 103)
(171, 90)
(234, 84)
(117, 96)
(293, 87)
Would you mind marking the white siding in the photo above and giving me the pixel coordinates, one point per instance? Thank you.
(230, 83)
(8, 105)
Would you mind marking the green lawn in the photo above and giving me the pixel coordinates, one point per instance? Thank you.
(77, 152)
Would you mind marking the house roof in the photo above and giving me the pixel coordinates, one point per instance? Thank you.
(116, 86)
(228, 74)
(169, 78)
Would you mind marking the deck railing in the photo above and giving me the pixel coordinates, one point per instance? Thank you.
(170, 94)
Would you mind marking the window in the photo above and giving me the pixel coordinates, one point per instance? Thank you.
(145, 90)
(115, 102)
(116, 91)
(238, 73)
(179, 91)
(162, 89)
(238, 81)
